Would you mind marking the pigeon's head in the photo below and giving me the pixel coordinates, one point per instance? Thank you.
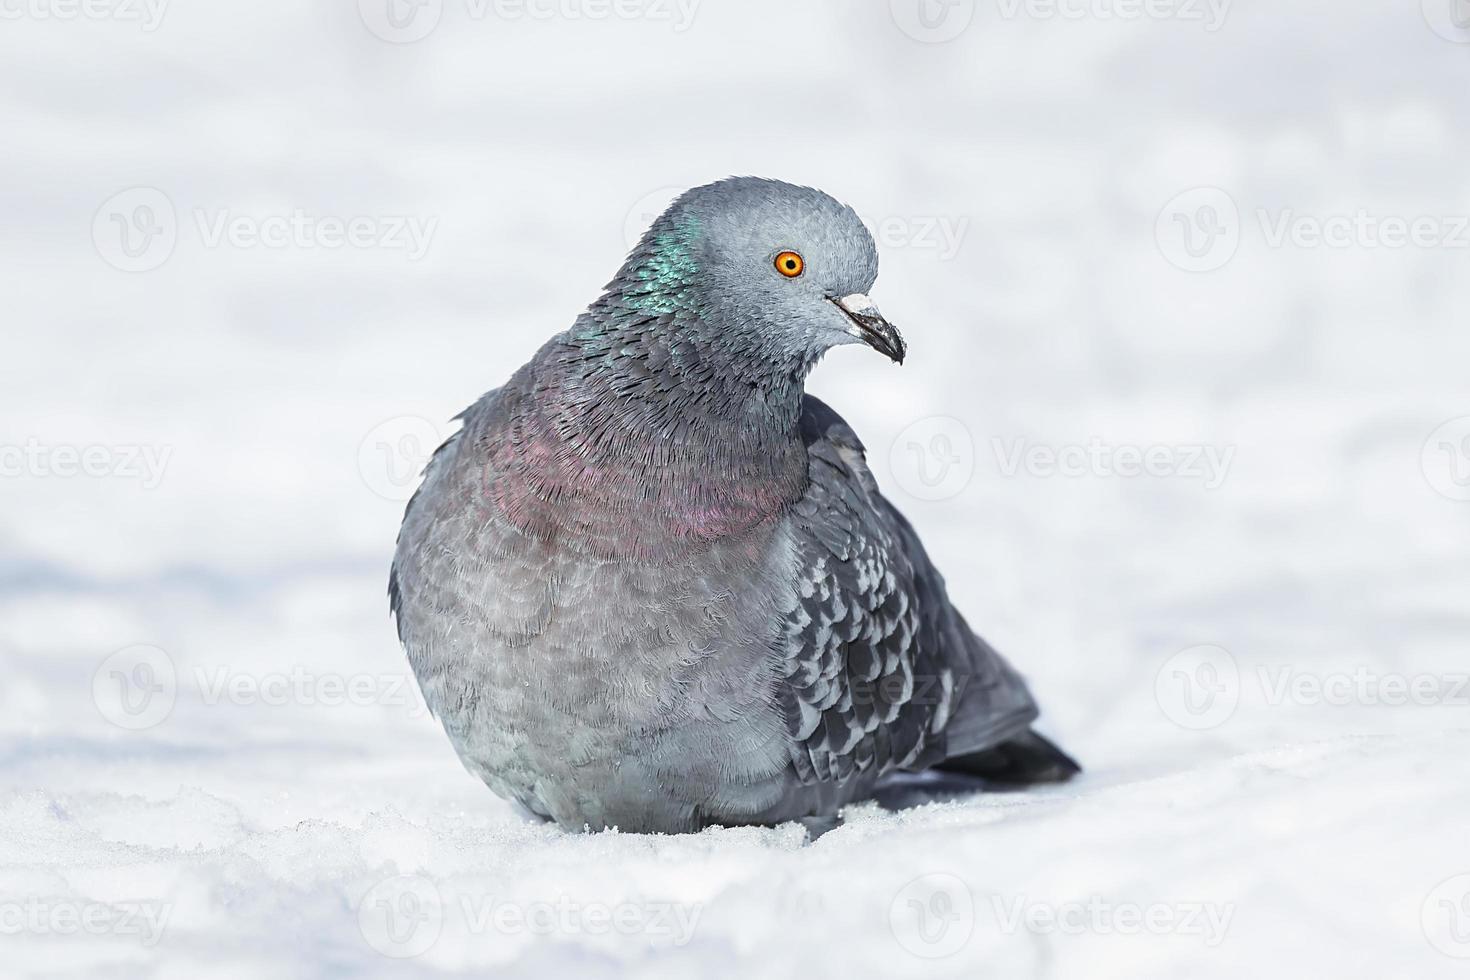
(780, 269)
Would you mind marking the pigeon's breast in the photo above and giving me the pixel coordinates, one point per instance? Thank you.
(581, 684)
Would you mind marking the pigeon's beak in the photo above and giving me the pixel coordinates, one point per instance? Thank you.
(869, 326)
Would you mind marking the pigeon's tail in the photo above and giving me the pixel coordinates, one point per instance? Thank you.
(990, 734)
(1023, 760)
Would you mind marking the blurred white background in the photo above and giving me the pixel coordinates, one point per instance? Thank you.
(1186, 423)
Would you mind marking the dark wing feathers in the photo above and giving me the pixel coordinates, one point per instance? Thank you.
(881, 670)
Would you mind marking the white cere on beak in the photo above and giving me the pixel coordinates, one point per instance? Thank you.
(859, 304)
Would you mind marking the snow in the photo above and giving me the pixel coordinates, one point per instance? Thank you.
(213, 762)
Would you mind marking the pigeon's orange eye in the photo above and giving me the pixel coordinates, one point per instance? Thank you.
(790, 264)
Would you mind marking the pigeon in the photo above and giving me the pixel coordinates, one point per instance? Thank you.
(650, 584)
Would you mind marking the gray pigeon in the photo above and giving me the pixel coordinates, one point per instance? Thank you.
(651, 583)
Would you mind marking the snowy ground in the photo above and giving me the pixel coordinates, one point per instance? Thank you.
(211, 762)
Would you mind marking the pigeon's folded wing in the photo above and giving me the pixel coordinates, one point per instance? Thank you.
(881, 671)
